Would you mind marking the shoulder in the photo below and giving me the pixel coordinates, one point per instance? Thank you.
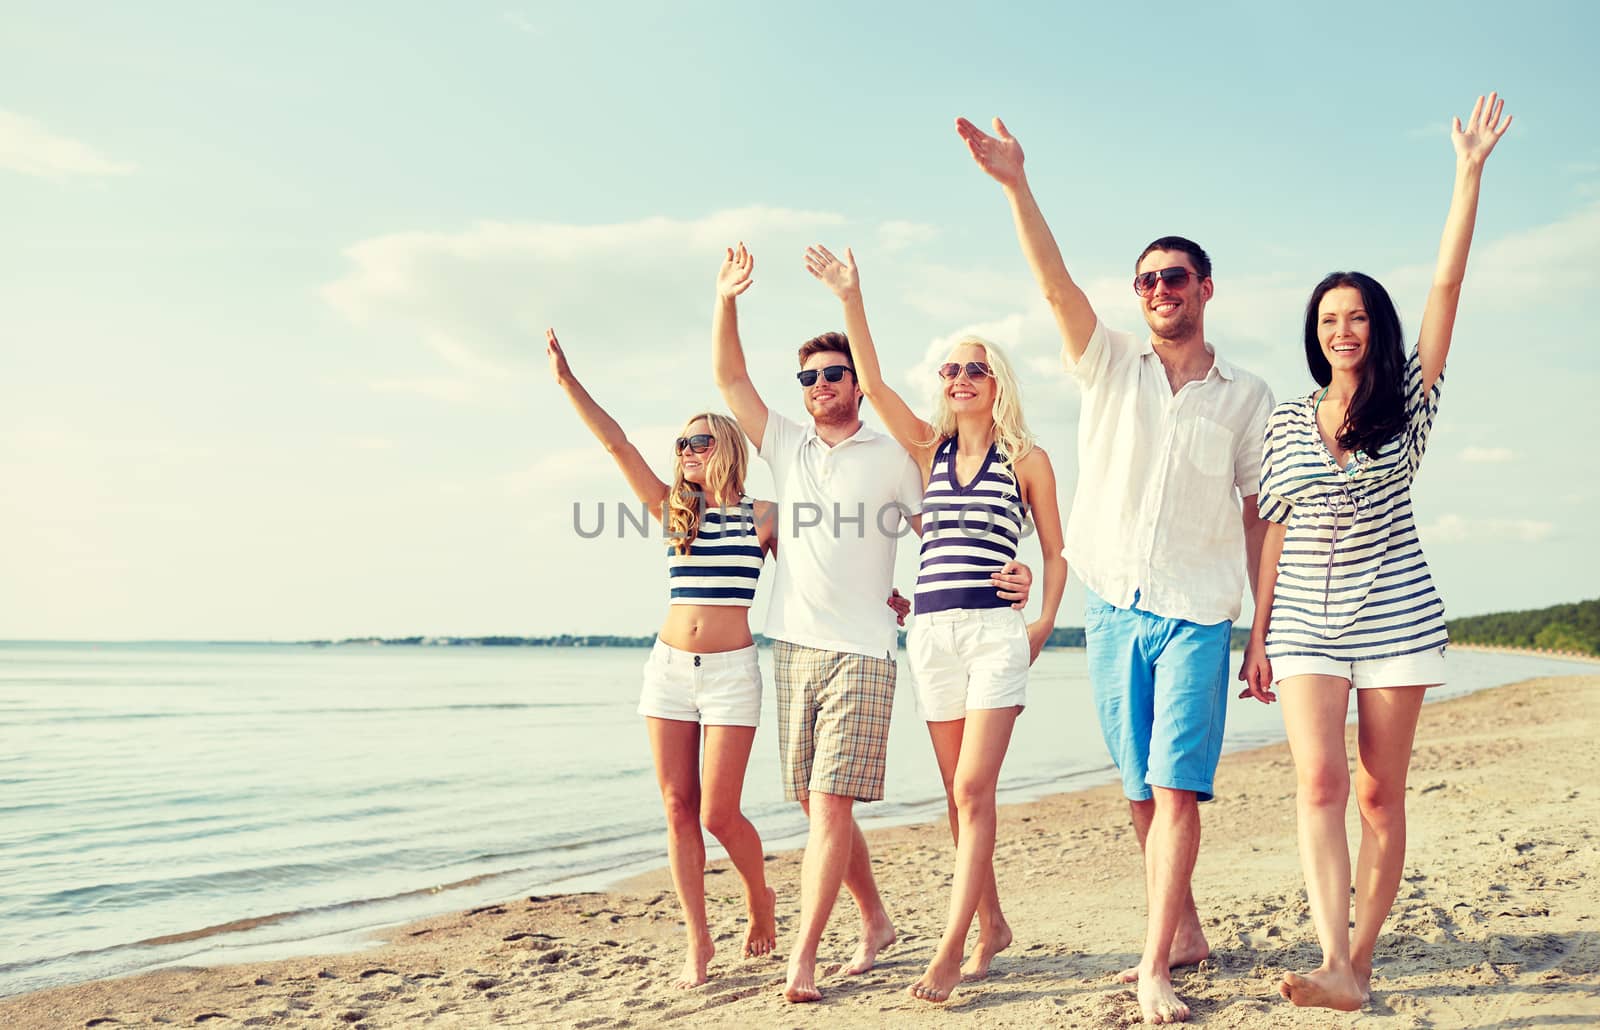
(1036, 461)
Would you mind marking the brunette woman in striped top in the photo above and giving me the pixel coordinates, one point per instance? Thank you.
(1344, 599)
(969, 651)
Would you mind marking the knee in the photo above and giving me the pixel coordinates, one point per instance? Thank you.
(719, 820)
(683, 807)
(1325, 786)
(1382, 804)
(831, 810)
(972, 800)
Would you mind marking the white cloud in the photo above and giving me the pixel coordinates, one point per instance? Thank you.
(30, 148)
(897, 235)
(438, 388)
(1459, 529)
(1488, 455)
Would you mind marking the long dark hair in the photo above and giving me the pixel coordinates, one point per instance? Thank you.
(1377, 412)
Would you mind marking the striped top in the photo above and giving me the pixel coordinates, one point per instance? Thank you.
(1352, 582)
(723, 562)
(968, 532)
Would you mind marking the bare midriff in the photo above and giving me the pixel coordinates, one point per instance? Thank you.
(706, 628)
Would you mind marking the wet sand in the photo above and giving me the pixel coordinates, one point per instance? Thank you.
(1497, 922)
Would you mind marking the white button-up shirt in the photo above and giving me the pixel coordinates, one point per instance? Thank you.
(841, 511)
(1157, 513)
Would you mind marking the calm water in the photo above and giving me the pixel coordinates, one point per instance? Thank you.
(167, 803)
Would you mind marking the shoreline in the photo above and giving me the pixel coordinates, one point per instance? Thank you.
(1495, 917)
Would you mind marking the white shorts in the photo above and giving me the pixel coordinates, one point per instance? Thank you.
(722, 689)
(1422, 669)
(968, 658)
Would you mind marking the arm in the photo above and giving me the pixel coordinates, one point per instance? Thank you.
(1039, 490)
(842, 277)
(644, 482)
(727, 354)
(1000, 156)
(1255, 535)
(1256, 673)
(1473, 146)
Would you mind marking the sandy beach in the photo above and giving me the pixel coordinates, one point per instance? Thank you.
(1497, 923)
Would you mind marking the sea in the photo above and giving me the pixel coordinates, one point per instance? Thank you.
(191, 804)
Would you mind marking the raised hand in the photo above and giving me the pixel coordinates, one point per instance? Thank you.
(1483, 130)
(839, 276)
(558, 360)
(999, 155)
(734, 278)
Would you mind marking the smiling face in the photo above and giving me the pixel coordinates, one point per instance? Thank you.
(831, 403)
(692, 464)
(1344, 329)
(965, 394)
(1174, 314)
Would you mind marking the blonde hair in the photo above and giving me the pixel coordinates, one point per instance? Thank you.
(724, 475)
(1010, 429)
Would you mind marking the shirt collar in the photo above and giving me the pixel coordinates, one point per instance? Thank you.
(865, 434)
(1219, 364)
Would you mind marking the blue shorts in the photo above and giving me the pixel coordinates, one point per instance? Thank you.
(1161, 691)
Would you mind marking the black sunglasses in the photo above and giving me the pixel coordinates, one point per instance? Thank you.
(698, 443)
(1176, 278)
(974, 370)
(833, 373)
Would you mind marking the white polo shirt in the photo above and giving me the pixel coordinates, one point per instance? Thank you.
(1160, 476)
(841, 510)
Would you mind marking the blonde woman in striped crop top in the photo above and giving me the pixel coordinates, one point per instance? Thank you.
(970, 652)
(1344, 599)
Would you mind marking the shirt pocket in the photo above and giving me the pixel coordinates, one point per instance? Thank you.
(1207, 445)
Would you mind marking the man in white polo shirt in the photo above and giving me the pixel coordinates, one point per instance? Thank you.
(1163, 532)
(845, 494)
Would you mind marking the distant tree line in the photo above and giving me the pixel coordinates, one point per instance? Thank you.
(1563, 627)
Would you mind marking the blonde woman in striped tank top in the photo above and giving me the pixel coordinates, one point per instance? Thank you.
(1344, 600)
(969, 651)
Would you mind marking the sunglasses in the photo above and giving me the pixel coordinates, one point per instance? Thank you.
(698, 443)
(1144, 283)
(833, 373)
(974, 370)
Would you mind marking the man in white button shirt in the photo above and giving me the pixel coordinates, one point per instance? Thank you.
(845, 494)
(1163, 532)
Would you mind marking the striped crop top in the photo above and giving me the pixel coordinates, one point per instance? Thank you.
(968, 532)
(723, 562)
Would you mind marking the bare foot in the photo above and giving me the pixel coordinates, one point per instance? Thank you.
(874, 938)
(802, 985)
(695, 961)
(763, 934)
(1159, 1002)
(1189, 948)
(998, 939)
(1363, 975)
(940, 979)
(1323, 988)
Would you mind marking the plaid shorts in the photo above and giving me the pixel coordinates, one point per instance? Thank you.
(833, 721)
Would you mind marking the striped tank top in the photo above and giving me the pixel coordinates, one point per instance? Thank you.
(1352, 582)
(723, 562)
(968, 532)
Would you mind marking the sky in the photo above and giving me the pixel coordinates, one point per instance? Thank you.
(274, 279)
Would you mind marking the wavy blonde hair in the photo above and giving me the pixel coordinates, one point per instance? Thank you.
(725, 471)
(1010, 429)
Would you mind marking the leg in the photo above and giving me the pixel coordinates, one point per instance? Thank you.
(676, 747)
(1189, 944)
(983, 747)
(829, 848)
(727, 752)
(1171, 846)
(1388, 726)
(994, 933)
(1314, 709)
